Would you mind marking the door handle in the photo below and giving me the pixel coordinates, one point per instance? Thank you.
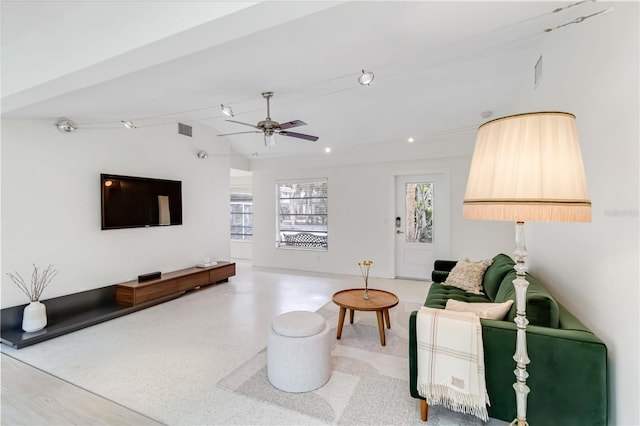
(399, 231)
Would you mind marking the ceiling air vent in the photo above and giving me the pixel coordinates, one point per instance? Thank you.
(537, 71)
(184, 129)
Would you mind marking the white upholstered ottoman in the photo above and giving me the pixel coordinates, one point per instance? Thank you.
(298, 351)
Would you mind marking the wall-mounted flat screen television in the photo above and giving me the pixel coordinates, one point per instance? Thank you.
(133, 202)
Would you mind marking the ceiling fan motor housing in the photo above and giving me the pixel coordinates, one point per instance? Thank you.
(268, 125)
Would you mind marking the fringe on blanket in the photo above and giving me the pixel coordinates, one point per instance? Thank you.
(455, 401)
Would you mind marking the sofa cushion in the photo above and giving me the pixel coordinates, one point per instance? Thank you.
(541, 308)
(440, 293)
(501, 266)
(468, 275)
(494, 311)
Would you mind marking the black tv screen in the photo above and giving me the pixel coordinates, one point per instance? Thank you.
(133, 202)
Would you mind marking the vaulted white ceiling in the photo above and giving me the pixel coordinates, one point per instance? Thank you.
(438, 64)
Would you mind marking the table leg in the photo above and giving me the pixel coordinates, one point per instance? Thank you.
(386, 317)
(351, 312)
(340, 322)
(381, 328)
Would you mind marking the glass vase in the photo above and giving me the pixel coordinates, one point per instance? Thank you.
(366, 289)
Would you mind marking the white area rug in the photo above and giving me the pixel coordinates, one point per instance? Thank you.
(369, 382)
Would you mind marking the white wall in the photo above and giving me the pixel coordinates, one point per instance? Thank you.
(591, 70)
(51, 203)
(362, 205)
(241, 249)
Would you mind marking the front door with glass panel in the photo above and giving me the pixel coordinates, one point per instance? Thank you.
(420, 218)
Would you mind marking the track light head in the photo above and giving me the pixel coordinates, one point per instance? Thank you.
(65, 125)
(226, 110)
(366, 78)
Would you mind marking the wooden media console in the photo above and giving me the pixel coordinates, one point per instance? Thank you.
(132, 293)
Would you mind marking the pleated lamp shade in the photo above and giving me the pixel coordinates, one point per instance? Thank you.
(528, 167)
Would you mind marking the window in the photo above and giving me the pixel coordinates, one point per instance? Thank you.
(241, 216)
(419, 208)
(302, 214)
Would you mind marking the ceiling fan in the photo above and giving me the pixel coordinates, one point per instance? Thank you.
(270, 128)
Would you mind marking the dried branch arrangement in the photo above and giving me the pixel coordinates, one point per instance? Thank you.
(365, 265)
(39, 281)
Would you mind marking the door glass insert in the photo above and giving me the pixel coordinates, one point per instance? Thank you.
(419, 208)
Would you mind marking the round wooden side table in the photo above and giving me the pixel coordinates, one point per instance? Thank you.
(379, 301)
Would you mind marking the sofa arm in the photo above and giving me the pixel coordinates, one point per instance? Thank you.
(441, 269)
(413, 356)
(444, 265)
(567, 374)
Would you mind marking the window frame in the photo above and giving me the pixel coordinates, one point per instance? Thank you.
(246, 237)
(280, 243)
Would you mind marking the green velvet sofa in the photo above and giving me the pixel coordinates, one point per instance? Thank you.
(568, 369)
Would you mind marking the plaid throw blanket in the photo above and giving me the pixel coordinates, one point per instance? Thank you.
(451, 361)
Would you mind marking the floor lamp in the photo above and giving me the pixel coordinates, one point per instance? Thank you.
(527, 167)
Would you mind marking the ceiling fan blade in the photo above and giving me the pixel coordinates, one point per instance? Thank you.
(240, 122)
(300, 136)
(290, 124)
(240, 133)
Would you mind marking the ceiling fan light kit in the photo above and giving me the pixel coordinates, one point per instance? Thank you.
(269, 128)
(269, 140)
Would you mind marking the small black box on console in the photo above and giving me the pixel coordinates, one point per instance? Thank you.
(149, 276)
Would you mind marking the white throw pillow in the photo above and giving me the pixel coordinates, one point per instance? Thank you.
(494, 311)
(468, 275)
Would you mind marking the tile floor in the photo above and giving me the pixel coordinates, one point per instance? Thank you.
(242, 308)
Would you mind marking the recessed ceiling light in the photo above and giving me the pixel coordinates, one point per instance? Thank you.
(327, 150)
(128, 124)
(410, 140)
(366, 78)
(486, 114)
